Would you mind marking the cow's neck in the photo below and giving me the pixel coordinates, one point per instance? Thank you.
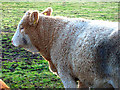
(49, 29)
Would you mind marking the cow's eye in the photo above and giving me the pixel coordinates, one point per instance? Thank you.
(21, 28)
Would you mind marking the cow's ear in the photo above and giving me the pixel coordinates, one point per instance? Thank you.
(34, 17)
(48, 11)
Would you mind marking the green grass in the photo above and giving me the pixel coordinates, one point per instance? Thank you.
(22, 69)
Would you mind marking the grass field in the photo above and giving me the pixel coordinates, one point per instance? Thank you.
(22, 69)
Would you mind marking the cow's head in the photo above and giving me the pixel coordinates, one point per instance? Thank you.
(27, 26)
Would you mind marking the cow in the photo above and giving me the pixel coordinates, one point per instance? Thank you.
(83, 53)
(3, 85)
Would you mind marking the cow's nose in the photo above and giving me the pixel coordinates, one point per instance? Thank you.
(12, 41)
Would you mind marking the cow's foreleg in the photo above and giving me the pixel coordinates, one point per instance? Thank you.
(81, 85)
(67, 80)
